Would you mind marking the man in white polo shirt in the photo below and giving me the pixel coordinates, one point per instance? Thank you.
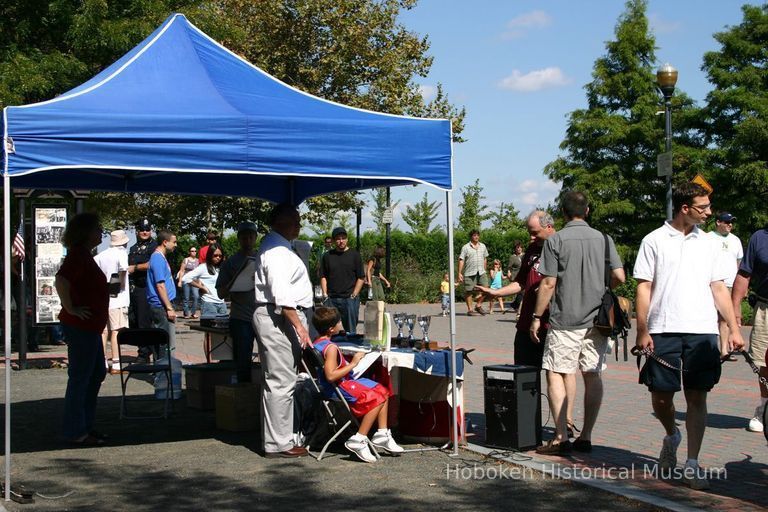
(733, 252)
(680, 291)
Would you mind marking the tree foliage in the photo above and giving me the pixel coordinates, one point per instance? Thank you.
(506, 218)
(736, 119)
(610, 148)
(472, 210)
(350, 51)
(421, 215)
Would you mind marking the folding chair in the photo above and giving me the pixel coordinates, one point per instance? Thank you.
(313, 363)
(144, 338)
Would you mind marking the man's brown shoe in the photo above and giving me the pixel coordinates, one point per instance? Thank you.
(552, 448)
(296, 451)
(480, 310)
(472, 313)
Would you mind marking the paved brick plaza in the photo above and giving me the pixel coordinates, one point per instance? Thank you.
(627, 435)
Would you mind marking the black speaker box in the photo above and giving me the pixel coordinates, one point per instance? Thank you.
(512, 406)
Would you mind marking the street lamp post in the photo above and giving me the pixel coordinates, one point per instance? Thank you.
(666, 78)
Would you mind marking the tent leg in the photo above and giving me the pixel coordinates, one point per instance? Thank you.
(452, 324)
(7, 330)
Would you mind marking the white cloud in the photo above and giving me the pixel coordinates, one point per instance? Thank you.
(534, 80)
(662, 26)
(517, 25)
(530, 199)
(528, 185)
(428, 92)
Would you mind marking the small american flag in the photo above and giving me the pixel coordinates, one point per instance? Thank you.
(18, 243)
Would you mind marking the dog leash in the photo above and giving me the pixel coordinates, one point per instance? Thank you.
(755, 368)
(648, 353)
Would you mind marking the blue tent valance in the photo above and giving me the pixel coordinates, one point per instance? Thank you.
(180, 102)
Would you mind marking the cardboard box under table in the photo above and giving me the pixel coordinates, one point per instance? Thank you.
(237, 407)
(201, 381)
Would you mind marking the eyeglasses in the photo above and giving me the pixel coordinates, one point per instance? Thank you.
(701, 208)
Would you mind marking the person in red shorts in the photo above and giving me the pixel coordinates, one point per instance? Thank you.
(367, 399)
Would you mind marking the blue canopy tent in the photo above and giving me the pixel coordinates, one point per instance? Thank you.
(179, 102)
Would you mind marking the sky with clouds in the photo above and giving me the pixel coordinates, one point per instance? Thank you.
(520, 66)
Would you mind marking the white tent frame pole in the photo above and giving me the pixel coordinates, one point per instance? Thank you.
(7, 330)
(452, 324)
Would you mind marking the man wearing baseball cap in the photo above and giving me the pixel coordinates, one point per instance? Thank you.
(243, 299)
(138, 263)
(341, 279)
(732, 252)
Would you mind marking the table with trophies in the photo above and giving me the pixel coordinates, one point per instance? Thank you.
(420, 378)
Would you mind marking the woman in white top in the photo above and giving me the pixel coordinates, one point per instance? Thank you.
(204, 277)
(191, 294)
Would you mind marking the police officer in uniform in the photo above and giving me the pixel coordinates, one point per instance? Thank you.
(138, 263)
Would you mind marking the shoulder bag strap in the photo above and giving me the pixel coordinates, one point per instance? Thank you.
(607, 264)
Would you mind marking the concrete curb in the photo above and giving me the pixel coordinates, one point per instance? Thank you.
(617, 487)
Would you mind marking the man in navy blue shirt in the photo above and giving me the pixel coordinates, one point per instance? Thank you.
(753, 272)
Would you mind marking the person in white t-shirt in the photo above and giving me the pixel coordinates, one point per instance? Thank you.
(680, 291)
(114, 263)
(733, 252)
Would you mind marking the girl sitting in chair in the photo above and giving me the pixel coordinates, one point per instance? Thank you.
(367, 399)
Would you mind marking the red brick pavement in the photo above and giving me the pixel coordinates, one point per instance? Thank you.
(626, 434)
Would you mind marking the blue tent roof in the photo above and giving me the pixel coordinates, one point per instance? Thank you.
(181, 102)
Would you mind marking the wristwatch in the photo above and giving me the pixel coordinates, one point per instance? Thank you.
(537, 317)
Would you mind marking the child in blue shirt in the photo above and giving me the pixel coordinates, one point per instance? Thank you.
(367, 399)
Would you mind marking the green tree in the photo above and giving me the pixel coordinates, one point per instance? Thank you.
(736, 119)
(610, 148)
(421, 215)
(472, 211)
(351, 51)
(507, 218)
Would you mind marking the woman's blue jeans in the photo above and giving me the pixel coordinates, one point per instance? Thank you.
(86, 373)
(190, 291)
(212, 308)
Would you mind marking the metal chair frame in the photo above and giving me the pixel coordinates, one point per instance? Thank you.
(150, 337)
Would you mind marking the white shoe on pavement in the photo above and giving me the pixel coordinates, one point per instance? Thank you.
(386, 442)
(668, 455)
(359, 446)
(756, 423)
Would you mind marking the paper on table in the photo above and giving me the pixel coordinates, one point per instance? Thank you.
(365, 363)
(243, 280)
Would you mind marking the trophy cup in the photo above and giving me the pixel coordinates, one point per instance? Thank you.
(424, 324)
(399, 319)
(410, 321)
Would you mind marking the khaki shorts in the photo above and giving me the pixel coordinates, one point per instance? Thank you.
(471, 281)
(118, 319)
(566, 350)
(758, 339)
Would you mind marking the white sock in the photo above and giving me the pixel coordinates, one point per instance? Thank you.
(382, 431)
(357, 437)
(692, 463)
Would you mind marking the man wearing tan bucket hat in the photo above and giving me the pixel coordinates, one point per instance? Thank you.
(114, 263)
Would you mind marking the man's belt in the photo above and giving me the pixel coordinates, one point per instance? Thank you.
(300, 308)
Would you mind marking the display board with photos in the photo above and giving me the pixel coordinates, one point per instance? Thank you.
(49, 223)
